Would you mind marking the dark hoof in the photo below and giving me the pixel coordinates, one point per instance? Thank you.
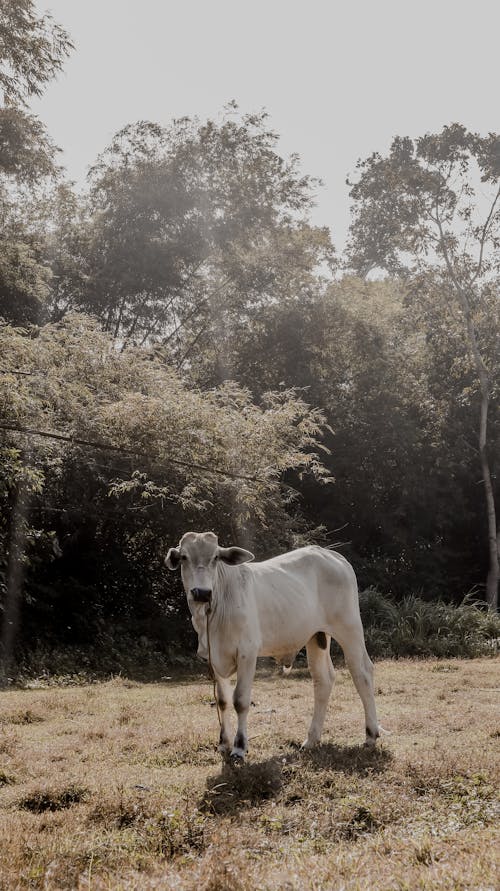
(236, 760)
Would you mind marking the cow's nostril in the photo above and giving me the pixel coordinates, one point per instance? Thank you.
(201, 595)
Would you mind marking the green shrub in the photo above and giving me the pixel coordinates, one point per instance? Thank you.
(416, 627)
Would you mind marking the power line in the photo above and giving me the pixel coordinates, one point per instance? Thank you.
(94, 444)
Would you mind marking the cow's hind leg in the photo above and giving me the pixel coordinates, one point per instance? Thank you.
(321, 668)
(241, 700)
(352, 640)
(223, 698)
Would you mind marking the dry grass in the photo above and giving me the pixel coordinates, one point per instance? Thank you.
(118, 786)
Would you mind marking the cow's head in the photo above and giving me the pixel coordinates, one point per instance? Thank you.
(198, 556)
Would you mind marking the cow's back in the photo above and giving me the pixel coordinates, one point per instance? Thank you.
(300, 593)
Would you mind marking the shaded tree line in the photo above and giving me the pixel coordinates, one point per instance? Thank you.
(197, 354)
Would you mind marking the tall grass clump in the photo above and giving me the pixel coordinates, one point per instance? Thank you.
(415, 627)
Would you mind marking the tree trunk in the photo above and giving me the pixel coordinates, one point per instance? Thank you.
(494, 567)
(493, 576)
(15, 577)
(466, 299)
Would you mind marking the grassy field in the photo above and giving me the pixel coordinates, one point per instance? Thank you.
(118, 786)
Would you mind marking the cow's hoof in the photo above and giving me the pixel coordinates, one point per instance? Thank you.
(236, 761)
(371, 738)
(309, 744)
(237, 757)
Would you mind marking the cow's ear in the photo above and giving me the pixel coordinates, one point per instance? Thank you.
(173, 558)
(233, 556)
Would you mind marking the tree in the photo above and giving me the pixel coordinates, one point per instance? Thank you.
(26, 152)
(27, 163)
(360, 353)
(132, 458)
(32, 50)
(430, 213)
(194, 225)
(64, 219)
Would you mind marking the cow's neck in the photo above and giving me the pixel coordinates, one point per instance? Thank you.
(228, 588)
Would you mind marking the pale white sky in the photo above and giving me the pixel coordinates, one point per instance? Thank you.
(338, 78)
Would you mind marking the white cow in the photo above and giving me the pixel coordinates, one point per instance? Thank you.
(273, 608)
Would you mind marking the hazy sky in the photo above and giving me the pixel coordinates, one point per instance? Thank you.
(338, 78)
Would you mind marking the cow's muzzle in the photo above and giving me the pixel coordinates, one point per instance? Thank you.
(201, 595)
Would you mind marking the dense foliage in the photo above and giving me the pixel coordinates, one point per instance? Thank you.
(430, 212)
(181, 348)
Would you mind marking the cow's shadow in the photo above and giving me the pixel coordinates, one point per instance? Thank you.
(236, 788)
(362, 760)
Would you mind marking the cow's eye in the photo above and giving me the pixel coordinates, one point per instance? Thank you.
(183, 557)
(215, 558)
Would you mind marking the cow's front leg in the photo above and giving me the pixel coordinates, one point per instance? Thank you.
(223, 698)
(241, 700)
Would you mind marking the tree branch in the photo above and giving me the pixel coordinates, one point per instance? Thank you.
(483, 237)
